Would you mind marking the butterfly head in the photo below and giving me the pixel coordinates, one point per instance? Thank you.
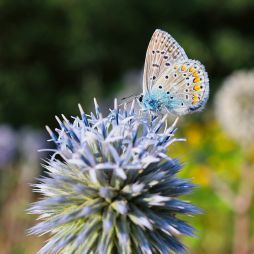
(140, 98)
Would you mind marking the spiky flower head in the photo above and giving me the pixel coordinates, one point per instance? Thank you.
(234, 106)
(111, 188)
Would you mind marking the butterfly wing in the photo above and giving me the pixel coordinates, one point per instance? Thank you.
(185, 87)
(162, 52)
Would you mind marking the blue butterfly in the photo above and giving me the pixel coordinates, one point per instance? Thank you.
(172, 82)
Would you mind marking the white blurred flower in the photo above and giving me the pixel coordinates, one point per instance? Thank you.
(234, 107)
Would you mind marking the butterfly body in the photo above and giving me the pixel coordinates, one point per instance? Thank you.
(154, 100)
(158, 100)
(171, 81)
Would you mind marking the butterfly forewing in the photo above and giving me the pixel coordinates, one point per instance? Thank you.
(163, 51)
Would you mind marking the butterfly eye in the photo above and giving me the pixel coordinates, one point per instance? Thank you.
(160, 87)
(165, 57)
(157, 51)
(166, 77)
(140, 98)
(167, 92)
(153, 52)
(167, 64)
(187, 90)
(154, 77)
(175, 75)
(184, 74)
(171, 97)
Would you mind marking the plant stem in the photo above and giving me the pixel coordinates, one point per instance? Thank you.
(242, 206)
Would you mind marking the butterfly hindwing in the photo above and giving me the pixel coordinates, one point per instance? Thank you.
(163, 51)
(186, 86)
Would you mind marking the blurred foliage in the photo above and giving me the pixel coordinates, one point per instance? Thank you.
(55, 53)
(209, 152)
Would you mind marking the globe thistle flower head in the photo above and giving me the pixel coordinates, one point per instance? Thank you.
(234, 107)
(111, 187)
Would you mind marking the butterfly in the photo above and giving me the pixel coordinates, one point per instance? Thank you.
(171, 81)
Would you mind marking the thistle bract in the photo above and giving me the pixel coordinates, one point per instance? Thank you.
(111, 188)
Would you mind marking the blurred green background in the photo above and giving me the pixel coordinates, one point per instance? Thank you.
(55, 54)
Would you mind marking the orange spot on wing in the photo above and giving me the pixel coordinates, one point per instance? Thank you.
(196, 80)
(184, 68)
(195, 99)
(195, 74)
(197, 87)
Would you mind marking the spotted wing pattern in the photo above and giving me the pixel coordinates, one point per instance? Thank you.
(187, 86)
(162, 52)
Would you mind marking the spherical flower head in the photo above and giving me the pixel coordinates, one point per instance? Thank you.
(234, 106)
(111, 188)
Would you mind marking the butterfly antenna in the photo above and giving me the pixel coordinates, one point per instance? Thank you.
(128, 99)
